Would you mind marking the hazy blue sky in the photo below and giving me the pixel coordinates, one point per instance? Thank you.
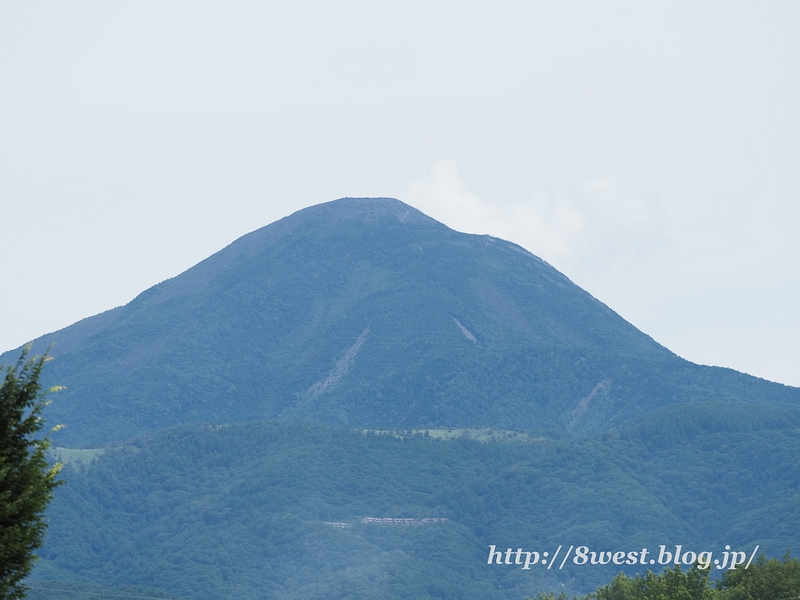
(649, 150)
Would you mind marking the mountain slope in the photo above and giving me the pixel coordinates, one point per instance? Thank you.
(366, 312)
(245, 510)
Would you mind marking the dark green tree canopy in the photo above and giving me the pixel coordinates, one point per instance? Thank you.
(771, 579)
(763, 580)
(26, 479)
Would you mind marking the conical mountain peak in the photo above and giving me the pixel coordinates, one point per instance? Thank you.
(336, 212)
(364, 311)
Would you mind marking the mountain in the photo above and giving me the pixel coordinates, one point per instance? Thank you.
(277, 510)
(365, 312)
(230, 429)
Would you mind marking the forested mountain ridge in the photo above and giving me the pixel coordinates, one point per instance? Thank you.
(230, 429)
(365, 312)
(276, 510)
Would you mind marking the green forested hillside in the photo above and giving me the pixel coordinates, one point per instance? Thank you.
(365, 312)
(229, 429)
(71, 590)
(242, 510)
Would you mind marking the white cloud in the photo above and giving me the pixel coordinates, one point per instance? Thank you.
(602, 231)
(625, 229)
(443, 195)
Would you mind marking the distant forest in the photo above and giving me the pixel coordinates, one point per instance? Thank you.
(256, 510)
(765, 579)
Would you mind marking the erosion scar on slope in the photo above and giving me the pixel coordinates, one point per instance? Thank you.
(340, 370)
(467, 333)
(584, 404)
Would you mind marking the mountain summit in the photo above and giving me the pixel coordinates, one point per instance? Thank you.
(366, 312)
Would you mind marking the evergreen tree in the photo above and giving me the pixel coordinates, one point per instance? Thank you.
(26, 479)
